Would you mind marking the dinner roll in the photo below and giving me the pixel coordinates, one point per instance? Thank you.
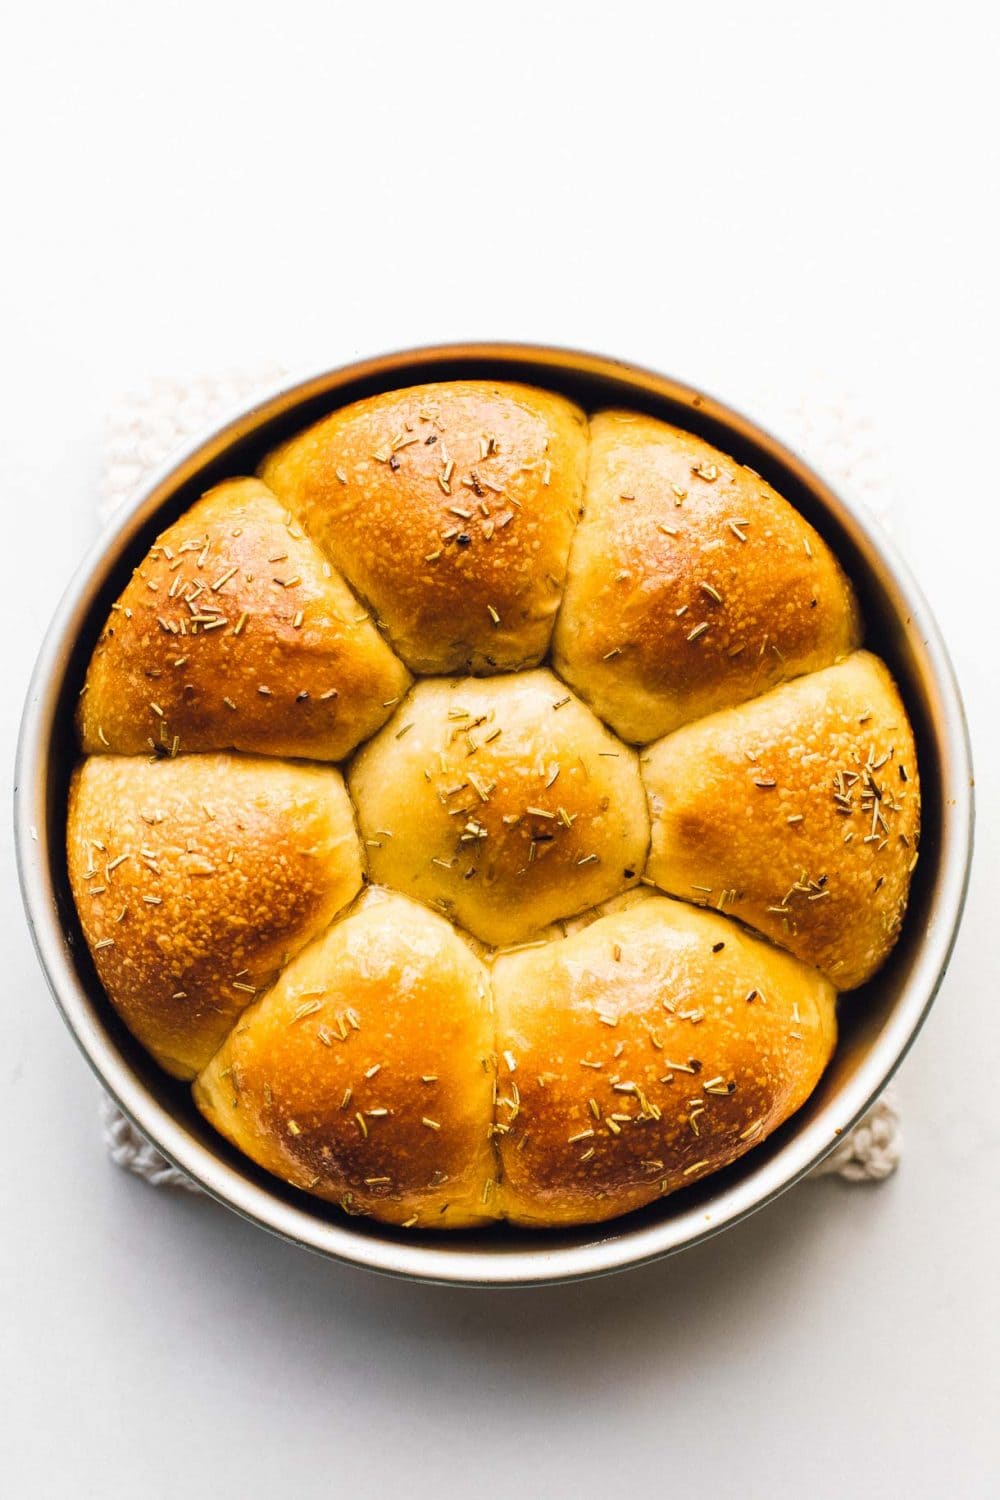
(692, 584)
(451, 508)
(366, 1074)
(234, 632)
(504, 803)
(799, 813)
(654, 1046)
(196, 879)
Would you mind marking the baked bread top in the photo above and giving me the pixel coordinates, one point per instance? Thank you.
(387, 753)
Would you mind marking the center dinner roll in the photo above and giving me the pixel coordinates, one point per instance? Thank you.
(504, 803)
(692, 584)
(436, 948)
(366, 1074)
(197, 879)
(657, 1045)
(451, 508)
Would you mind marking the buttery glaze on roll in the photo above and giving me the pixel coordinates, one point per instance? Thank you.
(366, 1074)
(234, 632)
(655, 1046)
(507, 1024)
(799, 813)
(451, 508)
(196, 879)
(692, 584)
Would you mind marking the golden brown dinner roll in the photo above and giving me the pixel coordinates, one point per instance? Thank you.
(799, 813)
(505, 803)
(649, 1049)
(235, 633)
(366, 1074)
(196, 879)
(450, 508)
(692, 584)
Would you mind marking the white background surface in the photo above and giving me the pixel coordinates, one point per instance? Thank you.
(745, 196)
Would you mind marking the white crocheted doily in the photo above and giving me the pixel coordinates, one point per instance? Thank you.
(158, 418)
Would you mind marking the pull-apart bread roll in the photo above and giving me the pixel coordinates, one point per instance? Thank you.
(432, 984)
(366, 1074)
(504, 803)
(692, 584)
(451, 509)
(235, 633)
(799, 813)
(197, 878)
(656, 1045)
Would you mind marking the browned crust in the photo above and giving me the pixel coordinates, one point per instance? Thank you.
(450, 507)
(800, 812)
(295, 667)
(366, 1074)
(796, 811)
(639, 1055)
(195, 881)
(692, 584)
(376, 1075)
(506, 804)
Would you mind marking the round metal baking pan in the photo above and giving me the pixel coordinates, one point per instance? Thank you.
(878, 1023)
